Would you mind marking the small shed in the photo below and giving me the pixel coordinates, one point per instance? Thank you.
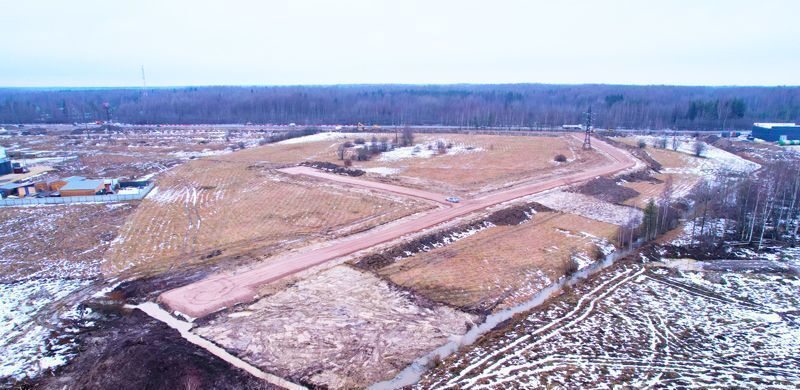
(18, 189)
(56, 185)
(82, 188)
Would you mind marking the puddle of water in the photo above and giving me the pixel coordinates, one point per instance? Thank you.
(155, 311)
(412, 374)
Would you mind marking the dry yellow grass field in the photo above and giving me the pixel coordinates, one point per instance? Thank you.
(670, 160)
(236, 203)
(476, 163)
(495, 161)
(207, 205)
(289, 153)
(502, 266)
(59, 241)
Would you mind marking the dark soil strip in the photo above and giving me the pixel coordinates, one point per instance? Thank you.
(130, 350)
(606, 189)
(333, 168)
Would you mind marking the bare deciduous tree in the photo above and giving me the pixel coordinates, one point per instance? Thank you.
(699, 148)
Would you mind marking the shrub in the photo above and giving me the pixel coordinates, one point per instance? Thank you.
(571, 267)
(560, 158)
(407, 137)
(641, 144)
(699, 148)
(360, 141)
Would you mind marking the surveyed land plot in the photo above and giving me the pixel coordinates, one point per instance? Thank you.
(468, 164)
(206, 208)
(502, 266)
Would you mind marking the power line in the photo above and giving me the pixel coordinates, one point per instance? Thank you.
(587, 142)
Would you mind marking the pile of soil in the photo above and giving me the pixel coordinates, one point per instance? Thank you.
(134, 351)
(510, 216)
(333, 168)
(606, 189)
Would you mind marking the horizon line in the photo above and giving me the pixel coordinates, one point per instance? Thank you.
(467, 84)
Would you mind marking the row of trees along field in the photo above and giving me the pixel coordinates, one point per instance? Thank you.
(736, 209)
(470, 106)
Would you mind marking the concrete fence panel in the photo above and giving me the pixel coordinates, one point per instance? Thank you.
(78, 199)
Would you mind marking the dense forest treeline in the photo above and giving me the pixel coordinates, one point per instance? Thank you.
(511, 105)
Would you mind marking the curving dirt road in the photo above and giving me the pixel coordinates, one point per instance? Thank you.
(220, 291)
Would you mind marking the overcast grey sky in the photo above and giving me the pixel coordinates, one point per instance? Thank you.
(195, 42)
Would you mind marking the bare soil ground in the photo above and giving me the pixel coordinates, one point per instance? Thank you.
(341, 328)
(502, 265)
(130, 350)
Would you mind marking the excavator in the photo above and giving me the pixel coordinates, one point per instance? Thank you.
(360, 127)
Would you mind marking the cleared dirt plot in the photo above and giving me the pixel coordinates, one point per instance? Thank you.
(130, 350)
(644, 325)
(503, 265)
(207, 208)
(341, 328)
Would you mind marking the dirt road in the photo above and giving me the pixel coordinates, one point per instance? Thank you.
(217, 292)
(422, 194)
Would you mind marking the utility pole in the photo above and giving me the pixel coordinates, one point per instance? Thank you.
(587, 142)
(144, 83)
(107, 106)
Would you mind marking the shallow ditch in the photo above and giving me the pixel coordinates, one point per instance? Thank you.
(412, 374)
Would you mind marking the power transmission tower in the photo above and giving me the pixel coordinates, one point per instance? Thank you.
(144, 83)
(587, 142)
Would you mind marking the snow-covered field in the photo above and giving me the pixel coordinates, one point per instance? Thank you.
(383, 171)
(424, 151)
(50, 257)
(202, 153)
(644, 325)
(27, 322)
(327, 136)
(588, 206)
(714, 162)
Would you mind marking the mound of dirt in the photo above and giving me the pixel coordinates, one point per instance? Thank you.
(606, 189)
(333, 168)
(510, 216)
(135, 351)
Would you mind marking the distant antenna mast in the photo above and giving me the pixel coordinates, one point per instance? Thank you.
(144, 83)
(587, 142)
